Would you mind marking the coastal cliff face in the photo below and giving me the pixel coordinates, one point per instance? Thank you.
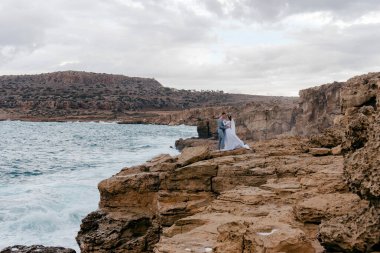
(310, 114)
(359, 230)
(261, 120)
(317, 108)
(72, 95)
(271, 200)
(288, 194)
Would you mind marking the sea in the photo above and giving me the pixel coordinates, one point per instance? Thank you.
(49, 173)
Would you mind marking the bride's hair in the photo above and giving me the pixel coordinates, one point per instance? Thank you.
(230, 117)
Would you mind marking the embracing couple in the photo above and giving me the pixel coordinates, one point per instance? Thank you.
(228, 140)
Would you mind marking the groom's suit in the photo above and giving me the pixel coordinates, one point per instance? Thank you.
(221, 132)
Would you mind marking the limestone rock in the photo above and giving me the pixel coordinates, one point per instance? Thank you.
(36, 249)
(192, 154)
(326, 206)
(117, 232)
(362, 140)
(170, 204)
(356, 231)
(319, 151)
(206, 128)
(328, 138)
(336, 150)
(263, 238)
(360, 90)
(195, 142)
(176, 205)
(134, 192)
(362, 163)
(318, 108)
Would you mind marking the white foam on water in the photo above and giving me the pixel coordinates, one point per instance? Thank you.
(48, 179)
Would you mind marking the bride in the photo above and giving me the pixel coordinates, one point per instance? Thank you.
(231, 140)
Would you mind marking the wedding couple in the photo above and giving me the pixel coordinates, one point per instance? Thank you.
(228, 140)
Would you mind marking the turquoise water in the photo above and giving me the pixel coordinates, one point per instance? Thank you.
(49, 173)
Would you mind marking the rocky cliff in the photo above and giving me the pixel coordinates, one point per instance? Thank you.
(359, 230)
(317, 108)
(92, 96)
(255, 120)
(288, 194)
(271, 200)
(312, 113)
(72, 95)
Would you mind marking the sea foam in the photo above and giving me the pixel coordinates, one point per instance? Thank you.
(49, 173)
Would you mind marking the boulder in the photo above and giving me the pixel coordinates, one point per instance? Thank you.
(192, 155)
(360, 91)
(105, 232)
(329, 138)
(356, 231)
(180, 144)
(134, 192)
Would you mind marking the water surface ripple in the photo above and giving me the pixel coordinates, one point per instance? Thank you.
(49, 173)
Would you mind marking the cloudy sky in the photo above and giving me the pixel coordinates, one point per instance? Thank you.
(271, 47)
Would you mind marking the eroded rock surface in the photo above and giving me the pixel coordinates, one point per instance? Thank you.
(318, 108)
(358, 230)
(36, 249)
(288, 194)
(216, 201)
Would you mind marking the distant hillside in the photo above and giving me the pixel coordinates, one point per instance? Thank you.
(72, 93)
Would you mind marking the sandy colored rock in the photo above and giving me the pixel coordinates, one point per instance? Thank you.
(195, 142)
(360, 90)
(190, 202)
(328, 138)
(192, 154)
(278, 197)
(318, 108)
(358, 230)
(117, 232)
(262, 238)
(336, 150)
(319, 151)
(176, 205)
(326, 206)
(193, 177)
(134, 192)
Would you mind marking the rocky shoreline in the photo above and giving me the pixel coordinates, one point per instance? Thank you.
(291, 194)
(312, 186)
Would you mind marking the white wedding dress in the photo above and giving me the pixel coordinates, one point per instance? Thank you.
(231, 140)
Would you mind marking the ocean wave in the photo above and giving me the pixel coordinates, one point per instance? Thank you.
(49, 173)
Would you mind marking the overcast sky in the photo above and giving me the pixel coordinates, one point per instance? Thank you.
(268, 47)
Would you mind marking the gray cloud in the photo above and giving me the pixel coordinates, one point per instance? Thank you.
(275, 10)
(263, 47)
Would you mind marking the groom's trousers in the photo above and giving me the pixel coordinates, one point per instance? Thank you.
(221, 139)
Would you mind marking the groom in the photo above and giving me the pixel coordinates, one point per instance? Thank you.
(221, 130)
